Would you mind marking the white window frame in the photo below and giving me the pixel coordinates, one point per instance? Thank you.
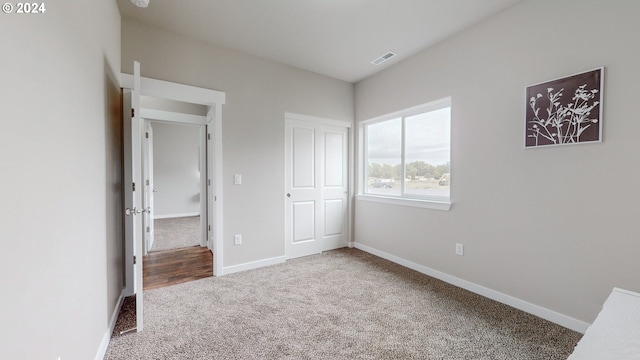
(430, 202)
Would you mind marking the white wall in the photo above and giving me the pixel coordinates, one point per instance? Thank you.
(555, 227)
(258, 93)
(61, 249)
(176, 173)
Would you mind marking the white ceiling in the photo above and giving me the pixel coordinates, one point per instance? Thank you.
(337, 38)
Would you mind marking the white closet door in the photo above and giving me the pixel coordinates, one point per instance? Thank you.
(316, 187)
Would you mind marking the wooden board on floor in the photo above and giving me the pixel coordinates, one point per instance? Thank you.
(165, 268)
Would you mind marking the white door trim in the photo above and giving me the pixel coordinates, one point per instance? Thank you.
(147, 183)
(214, 99)
(170, 116)
(174, 91)
(319, 120)
(202, 166)
(214, 175)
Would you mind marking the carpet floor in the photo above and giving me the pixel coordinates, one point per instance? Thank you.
(342, 304)
(175, 233)
(126, 320)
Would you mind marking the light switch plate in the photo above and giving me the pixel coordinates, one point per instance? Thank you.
(237, 179)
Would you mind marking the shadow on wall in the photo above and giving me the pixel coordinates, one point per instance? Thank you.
(114, 187)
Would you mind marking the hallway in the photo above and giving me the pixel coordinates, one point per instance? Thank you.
(166, 268)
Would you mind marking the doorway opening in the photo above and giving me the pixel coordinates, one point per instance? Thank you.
(175, 173)
(174, 170)
(210, 166)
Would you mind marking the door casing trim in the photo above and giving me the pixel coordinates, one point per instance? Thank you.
(214, 99)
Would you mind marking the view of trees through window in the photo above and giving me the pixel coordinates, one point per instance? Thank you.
(414, 165)
(417, 170)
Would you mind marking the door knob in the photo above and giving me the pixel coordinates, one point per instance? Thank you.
(288, 195)
(133, 211)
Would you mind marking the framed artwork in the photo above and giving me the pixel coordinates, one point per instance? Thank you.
(565, 111)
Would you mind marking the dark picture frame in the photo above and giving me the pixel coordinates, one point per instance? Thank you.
(565, 111)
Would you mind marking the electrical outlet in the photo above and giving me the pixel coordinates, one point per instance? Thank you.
(459, 249)
(237, 239)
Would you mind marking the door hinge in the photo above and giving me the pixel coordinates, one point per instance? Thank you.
(133, 187)
(208, 136)
(146, 135)
(209, 182)
(215, 198)
(133, 112)
(147, 182)
(209, 227)
(148, 229)
(135, 260)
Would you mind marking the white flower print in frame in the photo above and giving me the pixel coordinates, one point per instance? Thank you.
(565, 111)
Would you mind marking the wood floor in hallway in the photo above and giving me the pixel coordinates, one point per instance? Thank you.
(165, 268)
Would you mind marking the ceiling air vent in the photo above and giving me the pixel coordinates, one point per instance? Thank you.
(384, 58)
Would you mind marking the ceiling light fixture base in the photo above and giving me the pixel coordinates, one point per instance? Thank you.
(140, 3)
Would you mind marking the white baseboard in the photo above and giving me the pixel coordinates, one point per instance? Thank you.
(112, 323)
(253, 265)
(539, 311)
(116, 311)
(168, 216)
(102, 351)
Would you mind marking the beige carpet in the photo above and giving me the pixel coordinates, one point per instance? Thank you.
(343, 304)
(126, 321)
(176, 233)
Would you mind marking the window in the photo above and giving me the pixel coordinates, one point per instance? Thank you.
(407, 154)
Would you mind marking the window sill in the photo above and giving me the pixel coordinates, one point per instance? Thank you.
(419, 203)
